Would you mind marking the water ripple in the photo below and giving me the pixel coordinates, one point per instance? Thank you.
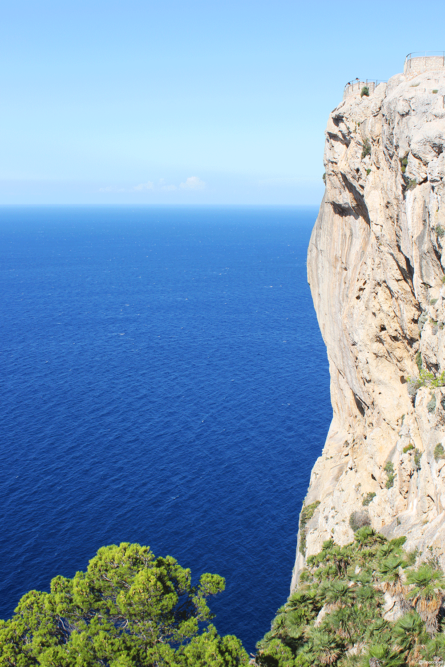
(165, 382)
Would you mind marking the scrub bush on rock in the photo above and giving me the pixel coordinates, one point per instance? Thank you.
(307, 512)
(337, 614)
(359, 519)
(367, 500)
(439, 452)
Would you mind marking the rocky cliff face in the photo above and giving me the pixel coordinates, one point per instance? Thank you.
(376, 267)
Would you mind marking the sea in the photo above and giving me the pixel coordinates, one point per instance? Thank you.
(163, 381)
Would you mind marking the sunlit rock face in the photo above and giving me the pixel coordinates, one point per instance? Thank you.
(376, 266)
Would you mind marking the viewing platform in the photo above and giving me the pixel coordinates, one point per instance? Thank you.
(418, 62)
(355, 87)
(415, 63)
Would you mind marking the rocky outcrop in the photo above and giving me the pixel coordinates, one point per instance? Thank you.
(376, 266)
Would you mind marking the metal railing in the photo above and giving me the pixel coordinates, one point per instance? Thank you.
(357, 85)
(429, 60)
(425, 54)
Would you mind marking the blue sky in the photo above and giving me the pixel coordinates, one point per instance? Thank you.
(186, 102)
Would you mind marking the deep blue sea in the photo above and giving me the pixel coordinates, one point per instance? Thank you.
(163, 381)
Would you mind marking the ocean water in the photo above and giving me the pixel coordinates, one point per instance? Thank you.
(164, 382)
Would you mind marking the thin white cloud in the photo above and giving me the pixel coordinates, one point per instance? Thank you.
(144, 187)
(192, 183)
(280, 181)
(287, 182)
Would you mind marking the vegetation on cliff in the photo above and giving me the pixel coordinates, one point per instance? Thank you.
(128, 609)
(361, 604)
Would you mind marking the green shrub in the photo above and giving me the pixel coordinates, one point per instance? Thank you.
(439, 452)
(368, 498)
(359, 519)
(324, 178)
(389, 469)
(433, 302)
(303, 542)
(417, 457)
(439, 380)
(421, 321)
(368, 171)
(419, 361)
(435, 91)
(412, 385)
(307, 512)
(431, 405)
(404, 163)
(440, 231)
(425, 379)
(364, 92)
(398, 542)
(443, 277)
(411, 183)
(276, 654)
(348, 582)
(366, 149)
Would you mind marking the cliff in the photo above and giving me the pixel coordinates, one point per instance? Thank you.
(376, 266)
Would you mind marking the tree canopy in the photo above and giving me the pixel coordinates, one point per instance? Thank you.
(129, 609)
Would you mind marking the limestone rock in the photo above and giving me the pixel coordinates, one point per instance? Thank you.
(395, 607)
(376, 266)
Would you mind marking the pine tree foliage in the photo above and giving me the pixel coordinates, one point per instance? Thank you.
(129, 609)
(337, 617)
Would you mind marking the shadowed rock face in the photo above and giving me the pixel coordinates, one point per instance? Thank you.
(375, 266)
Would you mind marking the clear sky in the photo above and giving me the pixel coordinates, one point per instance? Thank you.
(198, 101)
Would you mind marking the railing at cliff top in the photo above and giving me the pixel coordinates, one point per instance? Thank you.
(356, 86)
(423, 60)
(425, 54)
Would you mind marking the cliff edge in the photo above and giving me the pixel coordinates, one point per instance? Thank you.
(376, 266)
